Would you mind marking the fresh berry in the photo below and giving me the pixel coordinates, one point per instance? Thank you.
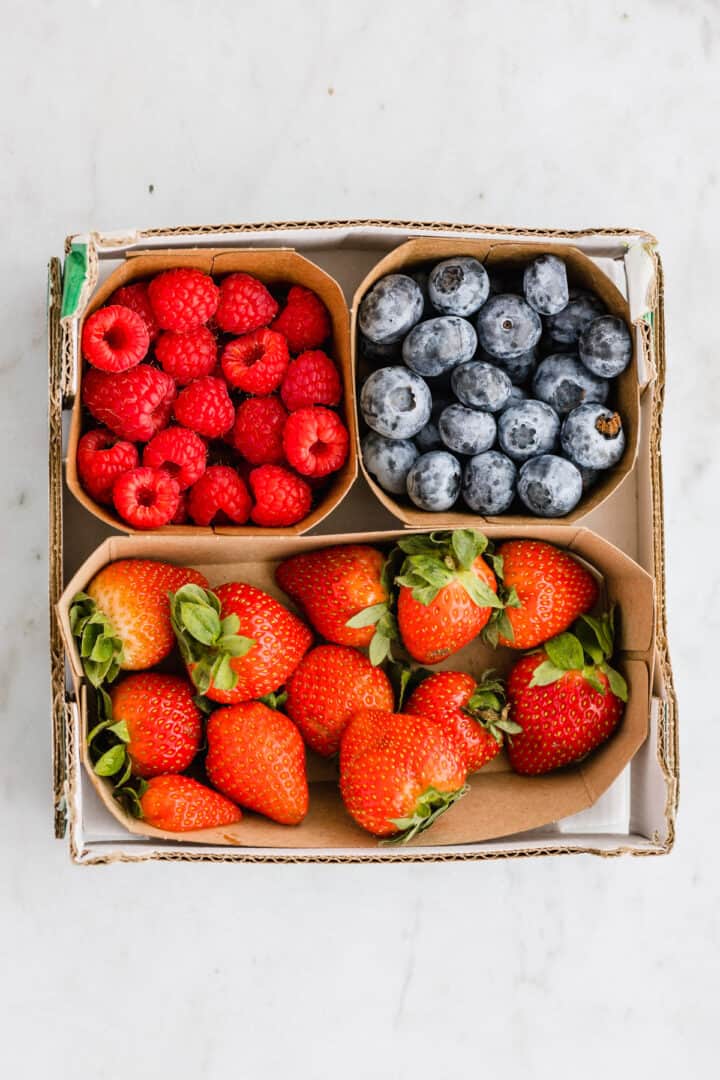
(315, 441)
(427, 438)
(488, 485)
(328, 686)
(433, 482)
(593, 436)
(565, 328)
(256, 757)
(398, 773)
(304, 320)
(564, 383)
(391, 309)
(146, 498)
(204, 406)
(219, 496)
(245, 305)
(545, 285)
(550, 588)
(435, 346)
(507, 327)
(447, 593)
(180, 517)
(519, 369)
(237, 642)
(134, 404)
(136, 298)
(481, 385)
(605, 346)
(187, 354)
(311, 379)
(183, 299)
(257, 362)
(528, 429)
(465, 430)
(395, 402)
(180, 452)
(549, 486)
(421, 277)
(389, 460)
(281, 497)
(517, 394)
(162, 722)
(181, 804)
(258, 430)
(566, 698)
(458, 286)
(473, 714)
(101, 458)
(115, 339)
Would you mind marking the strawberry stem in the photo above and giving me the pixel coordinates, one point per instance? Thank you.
(99, 646)
(207, 642)
(429, 806)
(587, 648)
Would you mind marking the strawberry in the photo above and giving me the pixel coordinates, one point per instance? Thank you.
(256, 757)
(566, 697)
(545, 590)
(398, 773)
(447, 593)
(344, 594)
(473, 714)
(237, 642)
(330, 683)
(122, 622)
(181, 804)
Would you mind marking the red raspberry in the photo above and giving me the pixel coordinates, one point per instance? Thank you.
(115, 339)
(146, 498)
(281, 497)
(220, 496)
(180, 452)
(245, 305)
(187, 354)
(315, 441)
(180, 517)
(134, 404)
(258, 430)
(205, 406)
(136, 298)
(101, 458)
(311, 379)
(256, 362)
(304, 320)
(183, 299)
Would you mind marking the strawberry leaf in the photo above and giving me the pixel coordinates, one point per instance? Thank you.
(546, 673)
(478, 591)
(111, 762)
(617, 684)
(223, 676)
(566, 652)
(591, 676)
(368, 616)
(588, 639)
(229, 625)
(201, 622)
(467, 544)
(120, 730)
(126, 774)
(274, 700)
(428, 808)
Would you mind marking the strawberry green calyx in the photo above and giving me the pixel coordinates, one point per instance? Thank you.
(431, 805)
(207, 643)
(130, 794)
(107, 743)
(490, 709)
(434, 560)
(499, 623)
(381, 616)
(587, 648)
(99, 646)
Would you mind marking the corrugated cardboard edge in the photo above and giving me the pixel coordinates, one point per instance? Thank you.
(667, 743)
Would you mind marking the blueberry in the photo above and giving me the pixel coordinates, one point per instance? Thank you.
(519, 369)
(391, 308)
(428, 438)
(481, 385)
(550, 486)
(507, 326)
(374, 353)
(437, 345)
(545, 285)
(593, 436)
(527, 429)
(433, 482)
(606, 346)
(517, 394)
(421, 278)
(389, 460)
(395, 402)
(489, 483)
(566, 327)
(467, 431)
(588, 476)
(564, 383)
(458, 286)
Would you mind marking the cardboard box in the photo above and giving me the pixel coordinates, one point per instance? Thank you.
(636, 813)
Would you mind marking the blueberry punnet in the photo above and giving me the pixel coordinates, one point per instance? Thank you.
(437, 345)
(527, 429)
(395, 402)
(488, 485)
(507, 326)
(465, 430)
(605, 346)
(458, 286)
(389, 460)
(433, 482)
(564, 383)
(391, 308)
(549, 486)
(593, 436)
(545, 285)
(481, 385)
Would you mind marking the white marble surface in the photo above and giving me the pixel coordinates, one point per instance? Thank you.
(553, 114)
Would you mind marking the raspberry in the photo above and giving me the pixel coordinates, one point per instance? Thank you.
(180, 517)
(101, 458)
(315, 441)
(304, 320)
(245, 305)
(146, 498)
(187, 354)
(281, 497)
(220, 496)
(115, 339)
(136, 298)
(258, 430)
(183, 299)
(134, 404)
(205, 406)
(256, 362)
(180, 452)
(311, 379)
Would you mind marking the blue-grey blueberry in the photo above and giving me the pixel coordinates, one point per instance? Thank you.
(391, 308)
(605, 346)
(507, 326)
(484, 386)
(389, 460)
(437, 345)
(593, 436)
(545, 285)
(465, 430)
(395, 402)
(433, 482)
(528, 429)
(488, 485)
(428, 438)
(564, 383)
(458, 286)
(549, 486)
(566, 327)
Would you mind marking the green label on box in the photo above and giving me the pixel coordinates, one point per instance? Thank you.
(74, 278)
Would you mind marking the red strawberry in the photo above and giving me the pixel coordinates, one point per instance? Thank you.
(157, 719)
(398, 773)
(545, 591)
(237, 642)
(256, 757)
(566, 698)
(181, 804)
(473, 714)
(344, 595)
(447, 593)
(327, 687)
